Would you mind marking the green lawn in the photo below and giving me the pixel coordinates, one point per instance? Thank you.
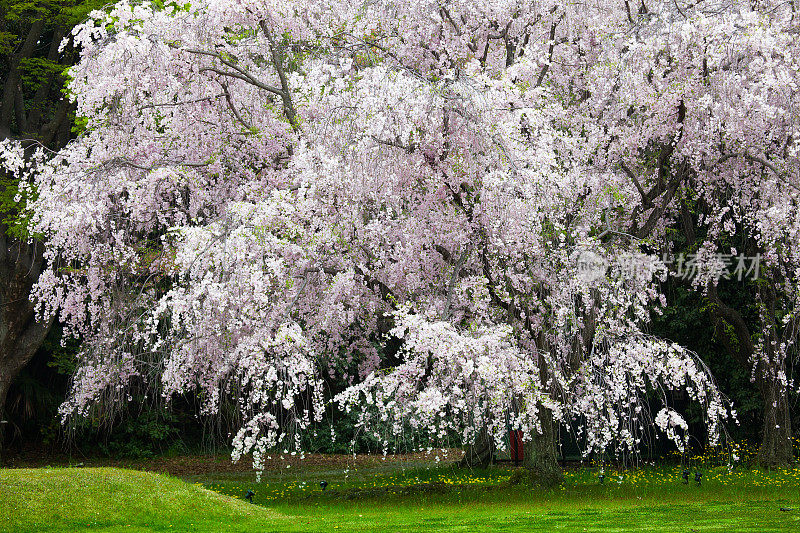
(388, 499)
(111, 499)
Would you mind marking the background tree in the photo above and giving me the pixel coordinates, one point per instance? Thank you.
(737, 310)
(705, 129)
(34, 111)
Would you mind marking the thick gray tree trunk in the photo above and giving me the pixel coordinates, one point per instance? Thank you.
(44, 117)
(20, 333)
(776, 434)
(541, 454)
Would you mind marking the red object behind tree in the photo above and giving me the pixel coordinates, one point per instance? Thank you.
(516, 447)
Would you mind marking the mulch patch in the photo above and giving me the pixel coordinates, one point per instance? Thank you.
(190, 465)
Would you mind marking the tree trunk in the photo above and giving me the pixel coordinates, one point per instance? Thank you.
(776, 435)
(4, 385)
(21, 262)
(20, 333)
(11, 87)
(541, 455)
(480, 453)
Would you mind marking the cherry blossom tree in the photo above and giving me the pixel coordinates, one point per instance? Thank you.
(266, 191)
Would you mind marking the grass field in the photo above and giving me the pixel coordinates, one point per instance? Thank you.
(390, 498)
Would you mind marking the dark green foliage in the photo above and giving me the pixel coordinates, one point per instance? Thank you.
(153, 432)
(722, 324)
(337, 434)
(35, 395)
(32, 104)
(12, 207)
(687, 321)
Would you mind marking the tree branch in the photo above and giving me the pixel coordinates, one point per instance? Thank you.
(11, 85)
(285, 93)
(236, 114)
(760, 160)
(247, 79)
(743, 350)
(452, 284)
(550, 49)
(646, 200)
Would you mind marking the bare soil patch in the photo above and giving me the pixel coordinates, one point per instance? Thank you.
(206, 464)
